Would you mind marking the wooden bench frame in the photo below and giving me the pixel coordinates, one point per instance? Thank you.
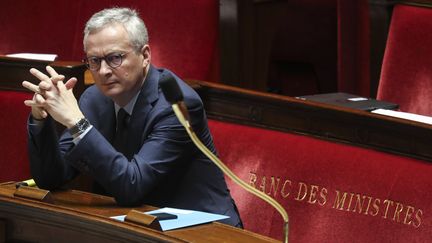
(270, 111)
(329, 122)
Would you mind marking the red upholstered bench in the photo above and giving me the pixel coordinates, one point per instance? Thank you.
(332, 192)
(14, 164)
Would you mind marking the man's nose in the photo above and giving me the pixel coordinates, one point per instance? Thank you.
(104, 67)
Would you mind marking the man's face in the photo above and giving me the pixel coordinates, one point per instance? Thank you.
(123, 82)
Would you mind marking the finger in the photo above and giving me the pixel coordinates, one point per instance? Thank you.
(57, 78)
(44, 114)
(30, 86)
(51, 71)
(29, 103)
(44, 86)
(39, 99)
(39, 113)
(61, 86)
(32, 103)
(39, 75)
(70, 84)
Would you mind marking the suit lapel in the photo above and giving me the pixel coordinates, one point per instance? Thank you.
(107, 125)
(142, 109)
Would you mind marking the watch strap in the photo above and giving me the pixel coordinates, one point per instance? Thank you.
(79, 127)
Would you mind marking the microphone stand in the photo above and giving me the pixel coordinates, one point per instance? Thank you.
(180, 111)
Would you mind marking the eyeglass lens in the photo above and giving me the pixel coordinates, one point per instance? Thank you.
(113, 60)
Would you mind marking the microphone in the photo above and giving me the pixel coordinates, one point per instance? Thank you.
(174, 95)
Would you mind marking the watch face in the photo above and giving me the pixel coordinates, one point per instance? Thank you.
(81, 124)
(84, 124)
(80, 127)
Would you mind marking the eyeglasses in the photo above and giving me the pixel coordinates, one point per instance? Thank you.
(113, 60)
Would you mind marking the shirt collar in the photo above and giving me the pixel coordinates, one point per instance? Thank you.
(129, 106)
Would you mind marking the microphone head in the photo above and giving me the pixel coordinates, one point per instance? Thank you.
(170, 88)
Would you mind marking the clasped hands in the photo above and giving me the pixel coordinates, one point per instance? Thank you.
(53, 97)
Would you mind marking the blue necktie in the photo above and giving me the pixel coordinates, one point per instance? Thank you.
(120, 139)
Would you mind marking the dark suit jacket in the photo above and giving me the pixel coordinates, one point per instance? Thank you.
(165, 169)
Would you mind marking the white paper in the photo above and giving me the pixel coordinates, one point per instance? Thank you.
(357, 99)
(404, 115)
(185, 218)
(34, 56)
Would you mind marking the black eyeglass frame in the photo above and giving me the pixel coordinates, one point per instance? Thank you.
(106, 58)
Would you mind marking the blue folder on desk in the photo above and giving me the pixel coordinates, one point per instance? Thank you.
(185, 218)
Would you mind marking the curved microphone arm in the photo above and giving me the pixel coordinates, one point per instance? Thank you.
(178, 111)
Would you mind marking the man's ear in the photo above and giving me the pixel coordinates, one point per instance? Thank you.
(145, 50)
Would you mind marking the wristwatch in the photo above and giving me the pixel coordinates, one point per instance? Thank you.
(79, 127)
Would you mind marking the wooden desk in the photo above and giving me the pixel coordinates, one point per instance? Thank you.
(77, 216)
(15, 70)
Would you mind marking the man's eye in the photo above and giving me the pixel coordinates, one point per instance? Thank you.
(114, 58)
(93, 60)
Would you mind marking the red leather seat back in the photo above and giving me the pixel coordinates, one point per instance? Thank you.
(332, 192)
(183, 35)
(39, 27)
(406, 75)
(14, 164)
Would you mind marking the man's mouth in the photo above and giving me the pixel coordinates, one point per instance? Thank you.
(108, 83)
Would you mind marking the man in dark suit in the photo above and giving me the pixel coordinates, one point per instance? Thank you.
(144, 157)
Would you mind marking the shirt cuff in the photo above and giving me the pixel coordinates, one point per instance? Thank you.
(35, 126)
(78, 139)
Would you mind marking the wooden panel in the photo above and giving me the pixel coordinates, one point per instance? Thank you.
(269, 39)
(288, 114)
(84, 217)
(425, 3)
(15, 70)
